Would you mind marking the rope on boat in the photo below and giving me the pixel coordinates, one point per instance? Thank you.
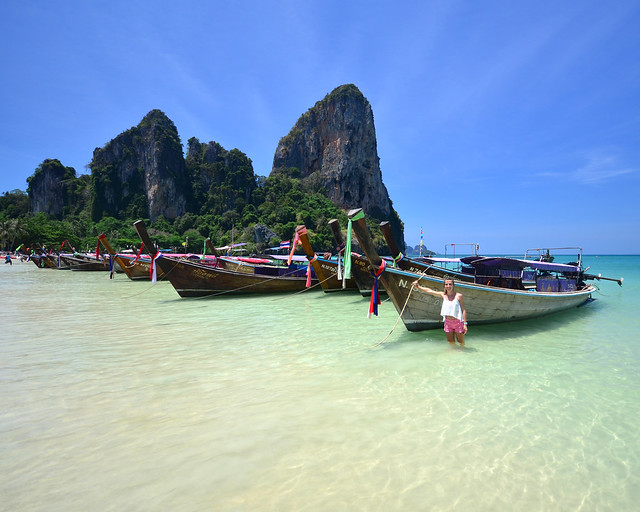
(150, 286)
(306, 289)
(423, 273)
(397, 320)
(215, 294)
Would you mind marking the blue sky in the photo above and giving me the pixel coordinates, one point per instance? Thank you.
(510, 124)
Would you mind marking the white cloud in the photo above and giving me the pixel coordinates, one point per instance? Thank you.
(600, 168)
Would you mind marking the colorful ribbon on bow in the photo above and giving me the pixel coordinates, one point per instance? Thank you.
(154, 270)
(375, 296)
(138, 255)
(347, 248)
(296, 241)
(309, 270)
(397, 259)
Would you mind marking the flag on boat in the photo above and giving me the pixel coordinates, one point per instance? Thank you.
(286, 244)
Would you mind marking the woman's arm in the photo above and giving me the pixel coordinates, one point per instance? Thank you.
(428, 290)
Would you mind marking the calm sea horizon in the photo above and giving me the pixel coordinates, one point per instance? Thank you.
(120, 395)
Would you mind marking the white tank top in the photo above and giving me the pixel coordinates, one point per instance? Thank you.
(451, 308)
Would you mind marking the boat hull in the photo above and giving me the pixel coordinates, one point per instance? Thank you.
(84, 263)
(331, 283)
(139, 270)
(361, 274)
(44, 260)
(196, 280)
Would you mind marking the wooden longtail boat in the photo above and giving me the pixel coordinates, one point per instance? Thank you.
(44, 260)
(326, 270)
(84, 262)
(136, 269)
(192, 279)
(484, 304)
(139, 268)
(360, 272)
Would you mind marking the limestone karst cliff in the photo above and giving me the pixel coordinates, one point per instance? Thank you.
(327, 162)
(141, 172)
(52, 188)
(334, 145)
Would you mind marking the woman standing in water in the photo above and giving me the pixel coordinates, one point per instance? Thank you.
(453, 311)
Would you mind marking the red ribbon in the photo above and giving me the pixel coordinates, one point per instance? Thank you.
(375, 296)
(139, 253)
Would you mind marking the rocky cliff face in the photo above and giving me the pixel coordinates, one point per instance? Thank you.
(334, 145)
(141, 173)
(51, 188)
(336, 140)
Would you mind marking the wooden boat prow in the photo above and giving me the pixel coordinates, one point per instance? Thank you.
(135, 269)
(326, 270)
(360, 272)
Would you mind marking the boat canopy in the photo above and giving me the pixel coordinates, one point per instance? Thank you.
(515, 262)
(552, 267)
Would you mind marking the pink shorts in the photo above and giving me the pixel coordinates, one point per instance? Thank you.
(453, 325)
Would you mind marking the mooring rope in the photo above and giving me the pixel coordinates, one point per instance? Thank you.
(306, 289)
(267, 279)
(420, 276)
(150, 286)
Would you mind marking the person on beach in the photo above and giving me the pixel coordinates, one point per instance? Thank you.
(453, 311)
(8, 259)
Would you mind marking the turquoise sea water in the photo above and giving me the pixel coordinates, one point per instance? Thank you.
(119, 395)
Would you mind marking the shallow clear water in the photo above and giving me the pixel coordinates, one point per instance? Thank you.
(119, 395)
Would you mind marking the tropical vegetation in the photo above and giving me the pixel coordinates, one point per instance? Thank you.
(224, 213)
